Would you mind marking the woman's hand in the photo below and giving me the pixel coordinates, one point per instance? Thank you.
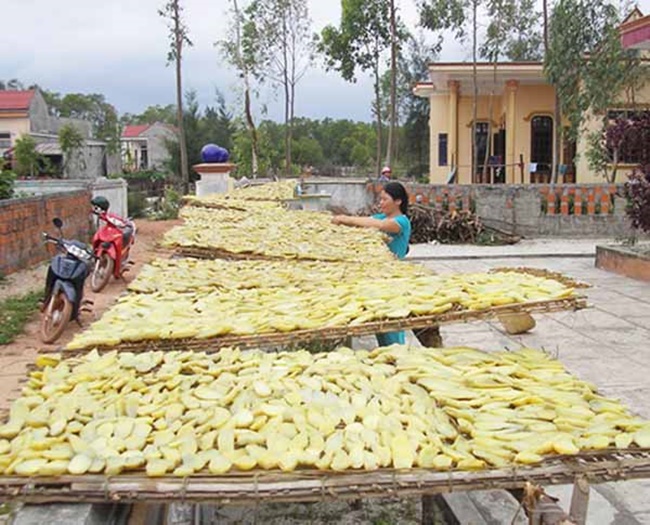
(338, 219)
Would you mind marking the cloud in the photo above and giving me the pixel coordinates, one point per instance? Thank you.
(119, 48)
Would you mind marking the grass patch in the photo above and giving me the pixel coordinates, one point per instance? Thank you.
(14, 314)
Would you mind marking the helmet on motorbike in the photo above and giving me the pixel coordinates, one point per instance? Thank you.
(100, 202)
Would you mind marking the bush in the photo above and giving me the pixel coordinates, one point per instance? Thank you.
(170, 206)
(637, 191)
(7, 179)
(137, 203)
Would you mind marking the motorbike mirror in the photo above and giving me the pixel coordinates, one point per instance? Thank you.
(58, 223)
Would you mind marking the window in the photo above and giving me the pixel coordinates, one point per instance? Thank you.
(442, 149)
(541, 143)
(5, 140)
(144, 157)
(626, 155)
(482, 143)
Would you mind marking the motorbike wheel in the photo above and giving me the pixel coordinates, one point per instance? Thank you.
(55, 318)
(102, 273)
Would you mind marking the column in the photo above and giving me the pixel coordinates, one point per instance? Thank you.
(512, 172)
(452, 142)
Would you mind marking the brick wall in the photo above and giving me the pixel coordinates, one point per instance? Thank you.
(23, 220)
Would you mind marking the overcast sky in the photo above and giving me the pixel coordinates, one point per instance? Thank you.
(119, 48)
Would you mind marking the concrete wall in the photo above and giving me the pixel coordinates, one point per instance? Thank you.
(157, 135)
(23, 220)
(535, 210)
(39, 118)
(115, 190)
(531, 210)
(351, 195)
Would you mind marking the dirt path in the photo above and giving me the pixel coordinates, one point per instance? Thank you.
(15, 357)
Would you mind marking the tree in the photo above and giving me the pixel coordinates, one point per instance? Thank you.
(632, 136)
(586, 63)
(284, 32)
(90, 107)
(178, 36)
(242, 50)
(151, 115)
(27, 159)
(358, 43)
(72, 142)
(458, 16)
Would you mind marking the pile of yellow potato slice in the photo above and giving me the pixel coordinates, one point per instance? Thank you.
(182, 413)
(276, 233)
(187, 298)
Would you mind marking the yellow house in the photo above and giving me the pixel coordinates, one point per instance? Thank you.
(515, 125)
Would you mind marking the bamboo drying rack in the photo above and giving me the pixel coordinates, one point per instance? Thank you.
(312, 485)
(333, 333)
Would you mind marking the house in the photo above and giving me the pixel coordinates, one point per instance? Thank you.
(26, 113)
(515, 123)
(144, 147)
(635, 31)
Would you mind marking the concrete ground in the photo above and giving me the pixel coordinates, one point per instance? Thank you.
(608, 344)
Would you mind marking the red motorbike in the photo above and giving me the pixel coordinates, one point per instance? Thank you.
(111, 246)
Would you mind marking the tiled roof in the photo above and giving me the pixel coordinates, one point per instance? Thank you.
(134, 131)
(16, 100)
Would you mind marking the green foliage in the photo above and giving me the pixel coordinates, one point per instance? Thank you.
(72, 142)
(172, 12)
(150, 175)
(28, 160)
(94, 108)
(15, 312)
(214, 125)
(7, 179)
(170, 206)
(513, 32)
(151, 115)
(578, 27)
(137, 204)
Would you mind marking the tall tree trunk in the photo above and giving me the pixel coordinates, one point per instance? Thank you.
(285, 82)
(475, 86)
(557, 116)
(495, 60)
(378, 113)
(393, 85)
(250, 123)
(185, 173)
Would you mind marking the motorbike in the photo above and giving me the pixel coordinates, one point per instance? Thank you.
(111, 246)
(64, 285)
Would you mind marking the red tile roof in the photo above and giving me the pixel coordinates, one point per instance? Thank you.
(16, 100)
(134, 131)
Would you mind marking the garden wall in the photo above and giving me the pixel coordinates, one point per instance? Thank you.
(115, 190)
(23, 220)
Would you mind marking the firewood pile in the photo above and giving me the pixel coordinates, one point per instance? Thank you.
(446, 227)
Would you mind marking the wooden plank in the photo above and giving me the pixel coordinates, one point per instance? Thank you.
(300, 336)
(306, 486)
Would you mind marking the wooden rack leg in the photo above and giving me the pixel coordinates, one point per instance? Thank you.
(429, 337)
(431, 513)
(580, 500)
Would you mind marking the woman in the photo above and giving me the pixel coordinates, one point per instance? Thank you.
(393, 202)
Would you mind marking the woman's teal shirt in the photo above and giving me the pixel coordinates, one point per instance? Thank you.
(399, 246)
(399, 242)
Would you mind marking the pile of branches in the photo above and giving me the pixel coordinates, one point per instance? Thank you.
(446, 227)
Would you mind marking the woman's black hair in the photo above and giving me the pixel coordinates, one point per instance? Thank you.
(398, 192)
